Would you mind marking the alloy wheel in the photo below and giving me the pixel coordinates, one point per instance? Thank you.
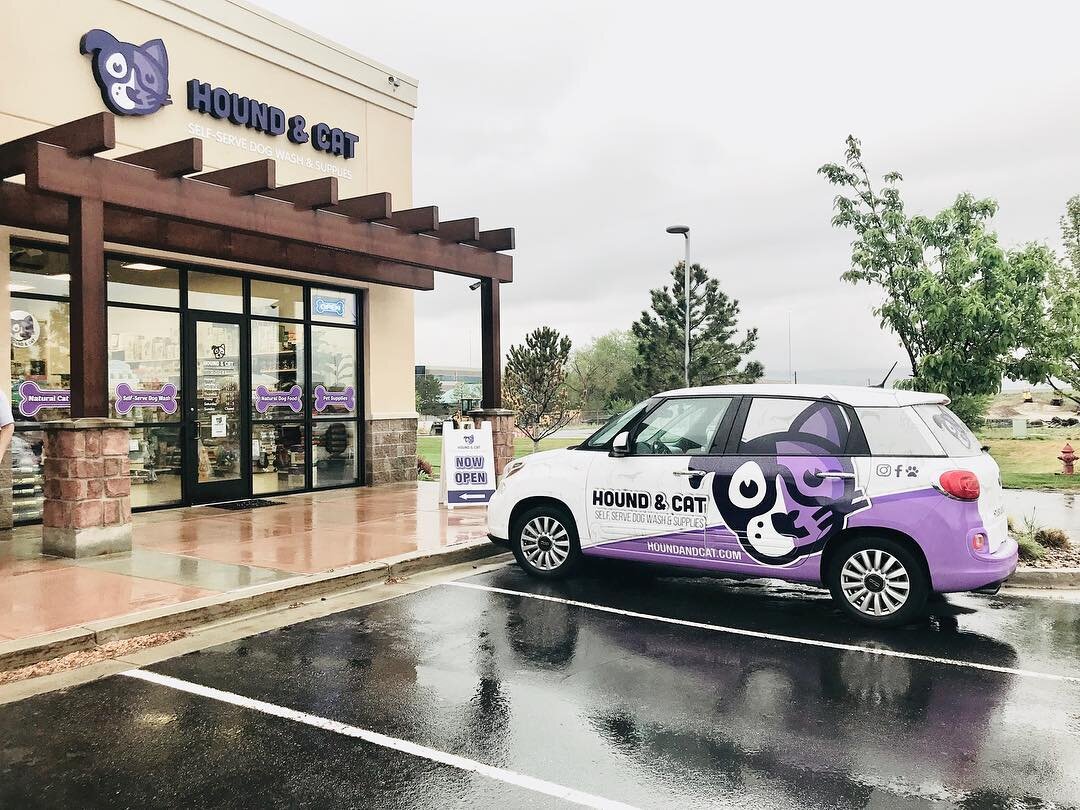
(545, 543)
(875, 582)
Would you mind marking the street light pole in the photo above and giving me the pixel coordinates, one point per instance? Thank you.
(685, 231)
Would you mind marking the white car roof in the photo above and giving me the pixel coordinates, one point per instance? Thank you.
(854, 395)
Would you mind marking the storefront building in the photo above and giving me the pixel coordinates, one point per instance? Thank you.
(207, 240)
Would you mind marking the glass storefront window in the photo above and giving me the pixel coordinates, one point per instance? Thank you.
(333, 453)
(215, 292)
(278, 457)
(276, 300)
(39, 270)
(40, 358)
(143, 281)
(156, 459)
(333, 371)
(27, 475)
(333, 306)
(277, 365)
(144, 364)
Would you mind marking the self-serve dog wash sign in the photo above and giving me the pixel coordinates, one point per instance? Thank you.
(468, 465)
(134, 80)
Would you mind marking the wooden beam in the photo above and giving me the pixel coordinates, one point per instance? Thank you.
(136, 189)
(247, 178)
(85, 136)
(318, 193)
(369, 208)
(415, 220)
(498, 239)
(490, 345)
(21, 208)
(89, 312)
(458, 230)
(170, 160)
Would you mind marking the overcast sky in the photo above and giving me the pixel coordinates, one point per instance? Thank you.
(591, 126)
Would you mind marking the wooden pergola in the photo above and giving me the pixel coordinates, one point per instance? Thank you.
(147, 199)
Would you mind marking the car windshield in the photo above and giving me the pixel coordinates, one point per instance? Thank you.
(612, 426)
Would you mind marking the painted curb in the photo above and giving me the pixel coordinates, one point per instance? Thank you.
(21, 652)
(1044, 578)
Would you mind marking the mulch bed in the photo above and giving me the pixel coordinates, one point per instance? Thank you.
(1056, 558)
(95, 655)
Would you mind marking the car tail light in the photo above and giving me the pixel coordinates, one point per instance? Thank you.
(978, 541)
(960, 484)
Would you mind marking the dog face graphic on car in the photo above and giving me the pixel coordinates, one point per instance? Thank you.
(789, 492)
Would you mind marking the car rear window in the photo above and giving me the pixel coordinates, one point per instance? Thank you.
(948, 429)
(897, 432)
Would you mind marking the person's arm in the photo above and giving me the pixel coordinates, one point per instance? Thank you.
(6, 432)
(7, 426)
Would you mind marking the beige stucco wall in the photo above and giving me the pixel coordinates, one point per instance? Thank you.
(248, 51)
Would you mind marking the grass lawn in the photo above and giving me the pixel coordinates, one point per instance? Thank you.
(1025, 463)
(430, 448)
(1032, 463)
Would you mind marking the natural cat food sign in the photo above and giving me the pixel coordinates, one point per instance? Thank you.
(468, 465)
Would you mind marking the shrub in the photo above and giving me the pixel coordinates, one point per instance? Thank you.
(1052, 538)
(424, 470)
(1030, 550)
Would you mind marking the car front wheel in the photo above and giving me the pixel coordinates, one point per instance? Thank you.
(878, 581)
(545, 542)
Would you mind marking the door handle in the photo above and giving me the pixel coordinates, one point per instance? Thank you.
(689, 473)
(830, 474)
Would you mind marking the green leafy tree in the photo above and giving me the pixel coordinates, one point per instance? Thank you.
(1049, 350)
(950, 293)
(602, 372)
(717, 355)
(534, 384)
(428, 395)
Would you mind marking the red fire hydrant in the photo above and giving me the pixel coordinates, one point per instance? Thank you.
(1068, 457)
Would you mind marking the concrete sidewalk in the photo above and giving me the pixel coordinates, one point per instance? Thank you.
(205, 563)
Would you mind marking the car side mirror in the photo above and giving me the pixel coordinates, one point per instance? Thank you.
(620, 445)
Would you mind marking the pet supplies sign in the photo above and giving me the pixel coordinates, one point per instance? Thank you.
(468, 465)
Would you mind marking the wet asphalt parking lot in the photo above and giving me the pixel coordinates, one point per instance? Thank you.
(613, 688)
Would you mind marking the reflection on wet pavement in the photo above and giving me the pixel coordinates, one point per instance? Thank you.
(643, 712)
(184, 554)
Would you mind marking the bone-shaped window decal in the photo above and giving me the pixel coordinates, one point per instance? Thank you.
(32, 398)
(128, 398)
(265, 399)
(345, 397)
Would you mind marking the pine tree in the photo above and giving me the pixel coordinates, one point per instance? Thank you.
(715, 352)
(533, 384)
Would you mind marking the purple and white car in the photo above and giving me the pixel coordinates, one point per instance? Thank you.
(882, 496)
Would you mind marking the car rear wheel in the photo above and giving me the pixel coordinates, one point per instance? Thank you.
(545, 542)
(878, 581)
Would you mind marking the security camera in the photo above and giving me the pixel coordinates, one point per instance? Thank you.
(393, 82)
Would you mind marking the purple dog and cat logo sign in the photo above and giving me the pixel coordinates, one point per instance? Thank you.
(128, 398)
(265, 399)
(133, 79)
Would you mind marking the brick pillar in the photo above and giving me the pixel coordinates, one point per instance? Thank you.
(502, 433)
(87, 487)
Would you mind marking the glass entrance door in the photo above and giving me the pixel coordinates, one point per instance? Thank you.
(218, 456)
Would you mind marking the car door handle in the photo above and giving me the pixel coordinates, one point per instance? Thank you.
(689, 473)
(830, 474)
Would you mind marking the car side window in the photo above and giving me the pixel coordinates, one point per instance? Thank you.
(794, 427)
(681, 427)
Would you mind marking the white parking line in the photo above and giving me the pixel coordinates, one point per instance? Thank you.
(738, 631)
(373, 737)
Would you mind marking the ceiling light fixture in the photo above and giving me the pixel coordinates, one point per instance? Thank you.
(141, 266)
